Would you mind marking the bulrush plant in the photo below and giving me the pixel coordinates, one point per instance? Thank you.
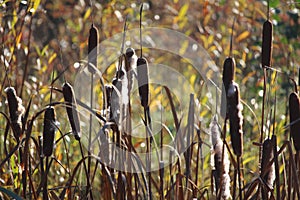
(233, 111)
(143, 88)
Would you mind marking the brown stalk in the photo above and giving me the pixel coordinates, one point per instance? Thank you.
(294, 108)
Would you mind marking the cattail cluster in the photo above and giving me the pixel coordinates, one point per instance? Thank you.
(294, 108)
(71, 108)
(268, 172)
(143, 81)
(49, 131)
(266, 54)
(235, 118)
(16, 111)
(220, 162)
(93, 49)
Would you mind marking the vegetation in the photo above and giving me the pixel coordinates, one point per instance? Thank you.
(58, 120)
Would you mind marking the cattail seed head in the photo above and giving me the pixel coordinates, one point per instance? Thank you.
(269, 175)
(235, 118)
(16, 111)
(108, 91)
(294, 108)
(143, 81)
(49, 131)
(221, 167)
(266, 54)
(71, 108)
(130, 67)
(228, 72)
(93, 49)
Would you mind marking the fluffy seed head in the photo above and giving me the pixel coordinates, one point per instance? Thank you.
(71, 108)
(143, 81)
(49, 131)
(294, 108)
(267, 156)
(16, 111)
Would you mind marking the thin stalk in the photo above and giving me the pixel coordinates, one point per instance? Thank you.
(90, 138)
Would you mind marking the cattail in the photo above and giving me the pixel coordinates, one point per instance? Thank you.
(130, 66)
(16, 111)
(108, 91)
(266, 54)
(143, 81)
(71, 107)
(228, 72)
(269, 173)
(119, 98)
(92, 49)
(49, 131)
(228, 77)
(235, 118)
(294, 107)
(220, 169)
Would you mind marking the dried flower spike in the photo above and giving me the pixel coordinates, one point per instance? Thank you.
(235, 118)
(93, 49)
(269, 175)
(49, 131)
(266, 54)
(16, 111)
(71, 108)
(294, 107)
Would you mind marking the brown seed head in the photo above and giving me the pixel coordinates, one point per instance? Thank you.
(266, 54)
(294, 108)
(228, 72)
(49, 131)
(143, 81)
(235, 118)
(71, 108)
(93, 48)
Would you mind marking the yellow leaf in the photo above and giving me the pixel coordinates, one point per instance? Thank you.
(183, 11)
(52, 58)
(87, 14)
(18, 39)
(242, 36)
(183, 48)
